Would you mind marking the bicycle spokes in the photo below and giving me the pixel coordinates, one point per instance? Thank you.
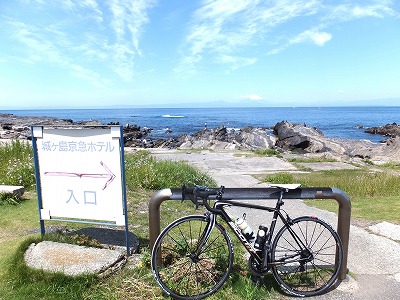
(308, 269)
(189, 266)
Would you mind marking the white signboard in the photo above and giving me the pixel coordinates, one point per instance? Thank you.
(80, 173)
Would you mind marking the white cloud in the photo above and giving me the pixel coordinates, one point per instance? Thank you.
(252, 97)
(348, 11)
(319, 38)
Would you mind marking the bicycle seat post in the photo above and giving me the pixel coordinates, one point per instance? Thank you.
(282, 191)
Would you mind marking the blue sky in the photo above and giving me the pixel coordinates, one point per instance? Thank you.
(83, 53)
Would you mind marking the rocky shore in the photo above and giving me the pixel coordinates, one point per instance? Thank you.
(283, 137)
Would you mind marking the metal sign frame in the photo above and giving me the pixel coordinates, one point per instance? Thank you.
(80, 175)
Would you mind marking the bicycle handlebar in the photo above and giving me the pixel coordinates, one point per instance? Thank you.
(202, 192)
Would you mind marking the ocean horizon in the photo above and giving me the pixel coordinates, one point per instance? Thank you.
(335, 122)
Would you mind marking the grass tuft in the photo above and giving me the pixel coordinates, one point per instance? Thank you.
(267, 152)
(144, 172)
(9, 198)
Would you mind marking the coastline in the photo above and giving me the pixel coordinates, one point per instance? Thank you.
(283, 137)
(335, 122)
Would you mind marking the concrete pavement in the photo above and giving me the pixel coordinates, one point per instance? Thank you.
(374, 249)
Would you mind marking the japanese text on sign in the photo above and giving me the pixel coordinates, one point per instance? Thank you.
(80, 146)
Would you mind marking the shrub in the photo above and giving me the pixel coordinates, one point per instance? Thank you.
(16, 164)
(144, 171)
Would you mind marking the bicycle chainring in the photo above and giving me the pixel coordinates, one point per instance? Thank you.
(255, 268)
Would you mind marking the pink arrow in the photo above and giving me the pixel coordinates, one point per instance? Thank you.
(110, 175)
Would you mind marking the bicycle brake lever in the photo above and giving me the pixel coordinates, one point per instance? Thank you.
(220, 193)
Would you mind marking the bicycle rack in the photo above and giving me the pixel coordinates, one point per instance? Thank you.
(343, 223)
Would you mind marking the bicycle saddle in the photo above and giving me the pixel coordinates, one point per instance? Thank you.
(290, 186)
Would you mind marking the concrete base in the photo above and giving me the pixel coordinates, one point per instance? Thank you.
(72, 259)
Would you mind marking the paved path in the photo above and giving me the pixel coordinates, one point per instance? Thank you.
(374, 251)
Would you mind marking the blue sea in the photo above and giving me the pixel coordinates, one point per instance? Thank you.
(338, 122)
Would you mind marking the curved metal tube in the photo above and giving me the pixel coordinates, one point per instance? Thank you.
(344, 213)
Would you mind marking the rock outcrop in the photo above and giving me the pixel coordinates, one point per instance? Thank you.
(389, 130)
(304, 139)
(134, 136)
(285, 136)
(222, 138)
(16, 127)
(19, 127)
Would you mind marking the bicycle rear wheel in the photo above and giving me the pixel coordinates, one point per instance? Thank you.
(179, 271)
(307, 257)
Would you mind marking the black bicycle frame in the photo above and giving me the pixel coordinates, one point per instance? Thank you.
(261, 258)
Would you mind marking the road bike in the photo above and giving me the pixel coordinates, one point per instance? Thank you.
(193, 256)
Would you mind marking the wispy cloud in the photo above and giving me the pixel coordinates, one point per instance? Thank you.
(236, 62)
(45, 50)
(317, 37)
(107, 33)
(220, 29)
(350, 11)
(129, 18)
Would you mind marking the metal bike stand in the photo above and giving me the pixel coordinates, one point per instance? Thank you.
(343, 223)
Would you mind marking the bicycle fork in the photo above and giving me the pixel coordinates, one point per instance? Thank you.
(194, 256)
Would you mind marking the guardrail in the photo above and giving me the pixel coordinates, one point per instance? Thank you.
(343, 200)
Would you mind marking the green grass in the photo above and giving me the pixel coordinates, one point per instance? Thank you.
(17, 281)
(297, 162)
(310, 160)
(374, 195)
(391, 165)
(370, 193)
(266, 152)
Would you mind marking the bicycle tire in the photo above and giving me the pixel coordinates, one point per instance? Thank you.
(182, 276)
(307, 272)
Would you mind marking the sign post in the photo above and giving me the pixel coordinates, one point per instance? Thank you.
(80, 175)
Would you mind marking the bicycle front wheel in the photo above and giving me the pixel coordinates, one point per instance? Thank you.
(182, 271)
(306, 256)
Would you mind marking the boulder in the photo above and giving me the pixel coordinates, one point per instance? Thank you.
(254, 138)
(304, 139)
(133, 134)
(390, 130)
